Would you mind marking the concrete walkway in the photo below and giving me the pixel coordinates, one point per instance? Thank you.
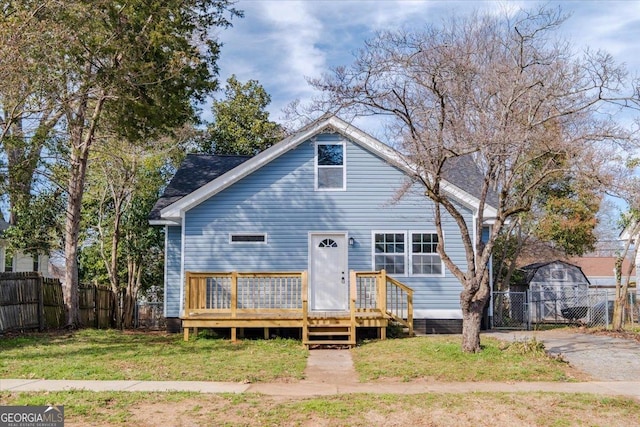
(308, 388)
(331, 372)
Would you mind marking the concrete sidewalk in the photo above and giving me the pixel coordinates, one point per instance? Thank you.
(331, 372)
(310, 388)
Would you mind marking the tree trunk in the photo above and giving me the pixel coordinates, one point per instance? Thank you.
(618, 312)
(81, 141)
(72, 230)
(471, 321)
(131, 295)
(473, 300)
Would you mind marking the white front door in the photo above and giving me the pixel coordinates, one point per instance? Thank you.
(328, 277)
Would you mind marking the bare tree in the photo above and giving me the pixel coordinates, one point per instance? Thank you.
(503, 91)
(625, 185)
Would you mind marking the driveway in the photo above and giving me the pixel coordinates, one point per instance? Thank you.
(602, 357)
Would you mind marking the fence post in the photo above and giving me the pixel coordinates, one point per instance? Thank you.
(96, 305)
(528, 311)
(40, 303)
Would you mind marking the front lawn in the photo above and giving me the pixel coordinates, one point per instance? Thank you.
(439, 358)
(433, 409)
(113, 355)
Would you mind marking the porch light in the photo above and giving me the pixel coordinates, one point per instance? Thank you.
(352, 241)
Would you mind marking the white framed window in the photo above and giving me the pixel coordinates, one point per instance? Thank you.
(248, 238)
(330, 169)
(390, 251)
(558, 273)
(424, 257)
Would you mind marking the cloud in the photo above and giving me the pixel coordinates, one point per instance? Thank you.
(280, 43)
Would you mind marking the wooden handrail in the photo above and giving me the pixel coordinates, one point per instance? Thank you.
(400, 285)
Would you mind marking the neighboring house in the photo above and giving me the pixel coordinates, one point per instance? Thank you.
(19, 261)
(556, 288)
(317, 232)
(600, 270)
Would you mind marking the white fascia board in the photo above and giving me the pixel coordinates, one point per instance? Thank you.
(167, 221)
(176, 209)
(372, 144)
(473, 202)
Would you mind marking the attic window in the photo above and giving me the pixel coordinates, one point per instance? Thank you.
(248, 238)
(558, 274)
(330, 166)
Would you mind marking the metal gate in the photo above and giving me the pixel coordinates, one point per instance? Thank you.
(519, 310)
(511, 310)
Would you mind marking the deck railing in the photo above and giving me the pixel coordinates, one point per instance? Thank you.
(377, 291)
(243, 292)
(232, 293)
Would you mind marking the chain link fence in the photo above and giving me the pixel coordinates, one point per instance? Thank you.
(554, 305)
(511, 310)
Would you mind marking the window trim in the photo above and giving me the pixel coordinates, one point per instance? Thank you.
(264, 240)
(408, 253)
(558, 268)
(411, 273)
(316, 167)
(404, 255)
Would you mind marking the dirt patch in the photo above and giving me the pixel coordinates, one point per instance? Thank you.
(481, 409)
(626, 335)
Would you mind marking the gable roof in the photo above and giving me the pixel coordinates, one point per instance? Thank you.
(222, 172)
(531, 269)
(195, 171)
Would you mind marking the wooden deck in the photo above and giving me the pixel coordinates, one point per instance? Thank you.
(280, 300)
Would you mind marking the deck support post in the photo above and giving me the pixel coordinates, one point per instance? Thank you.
(383, 332)
(266, 333)
(234, 334)
(352, 305)
(305, 308)
(186, 333)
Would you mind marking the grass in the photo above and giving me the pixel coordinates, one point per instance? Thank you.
(484, 409)
(439, 358)
(114, 355)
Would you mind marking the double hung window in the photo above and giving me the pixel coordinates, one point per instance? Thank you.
(330, 166)
(407, 253)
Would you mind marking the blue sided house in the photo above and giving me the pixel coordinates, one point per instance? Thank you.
(324, 232)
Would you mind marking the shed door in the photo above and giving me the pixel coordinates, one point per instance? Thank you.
(328, 278)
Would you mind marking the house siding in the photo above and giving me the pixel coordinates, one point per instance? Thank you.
(172, 277)
(279, 200)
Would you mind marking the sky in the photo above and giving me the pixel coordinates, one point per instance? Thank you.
(281, 43)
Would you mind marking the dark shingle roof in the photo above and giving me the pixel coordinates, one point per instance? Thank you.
(195, 171)
(464, 173)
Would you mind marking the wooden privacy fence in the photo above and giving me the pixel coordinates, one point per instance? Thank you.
(30, 301)
(97, 306)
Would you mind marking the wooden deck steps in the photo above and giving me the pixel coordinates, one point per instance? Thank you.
(338, 332)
